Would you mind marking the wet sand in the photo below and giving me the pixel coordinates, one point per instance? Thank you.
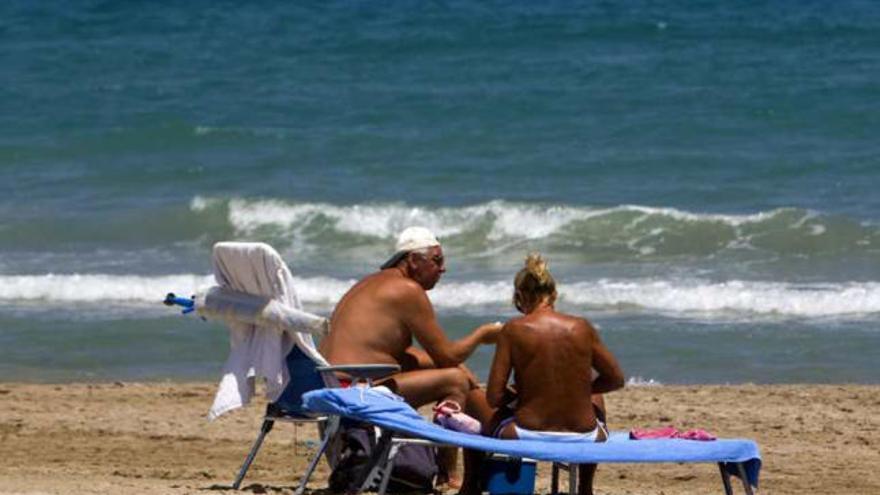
(153, 438)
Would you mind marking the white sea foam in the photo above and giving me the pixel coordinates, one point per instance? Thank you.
(201, 203)
(98, 287)
(276, 132)
(676, 297)
(382, 221)
(504, 219)
(638, 381)
(698, 296)
(732, 220)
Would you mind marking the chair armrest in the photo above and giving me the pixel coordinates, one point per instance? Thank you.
(362, 371)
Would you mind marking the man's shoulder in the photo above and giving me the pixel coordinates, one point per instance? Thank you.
(392, 286)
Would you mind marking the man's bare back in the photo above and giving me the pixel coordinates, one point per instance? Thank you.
(379, 318)
(367, 326)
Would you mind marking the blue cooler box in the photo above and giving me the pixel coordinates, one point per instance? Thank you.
(509, 475)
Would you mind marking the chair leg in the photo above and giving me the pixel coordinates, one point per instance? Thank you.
(725, 479)
(389, 465)
(572, 477)
(264, 430)
(378, 461)
(554, 479)
(329, 432)
(747, 488)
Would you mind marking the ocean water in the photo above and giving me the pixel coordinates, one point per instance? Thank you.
(702, 178)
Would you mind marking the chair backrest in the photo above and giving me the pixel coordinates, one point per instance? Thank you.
(304, 377)
(255, 268)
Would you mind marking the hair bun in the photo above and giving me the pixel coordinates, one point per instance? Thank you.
(533, 284)
(537, 267)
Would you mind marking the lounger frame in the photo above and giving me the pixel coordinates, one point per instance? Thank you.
(573, 477)
(389, 444)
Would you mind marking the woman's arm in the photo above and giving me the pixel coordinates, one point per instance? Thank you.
(610, 375)
(499, 373)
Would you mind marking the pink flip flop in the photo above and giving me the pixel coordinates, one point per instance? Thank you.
(448, 415)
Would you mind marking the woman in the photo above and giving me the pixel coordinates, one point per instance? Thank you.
(560, 367)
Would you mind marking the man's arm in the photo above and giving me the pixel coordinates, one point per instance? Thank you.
(418, 315)
(499, 373)
(417, 359)
(610, 375)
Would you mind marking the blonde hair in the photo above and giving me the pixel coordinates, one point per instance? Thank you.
(533, 283)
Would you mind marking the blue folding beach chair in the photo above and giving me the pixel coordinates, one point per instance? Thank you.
(305, 375)
(255, 290)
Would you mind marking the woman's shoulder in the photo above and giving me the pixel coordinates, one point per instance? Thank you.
(513, 324)
(574, 319)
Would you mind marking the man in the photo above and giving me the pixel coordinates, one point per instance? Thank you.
(377, 320)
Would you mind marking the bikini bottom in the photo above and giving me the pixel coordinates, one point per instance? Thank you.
(556, 436)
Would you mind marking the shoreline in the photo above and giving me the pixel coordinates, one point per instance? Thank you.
(152, 437)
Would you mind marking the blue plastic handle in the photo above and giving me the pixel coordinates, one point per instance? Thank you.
(187, 303)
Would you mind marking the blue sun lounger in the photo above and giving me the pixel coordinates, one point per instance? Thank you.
(395, 417)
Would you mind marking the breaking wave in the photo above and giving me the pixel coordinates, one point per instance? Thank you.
(618, 232)
(671, 297)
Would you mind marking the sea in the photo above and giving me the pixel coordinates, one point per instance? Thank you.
(702, 177)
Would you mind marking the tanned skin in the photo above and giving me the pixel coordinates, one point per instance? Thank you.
(378, 320)
(552, 355)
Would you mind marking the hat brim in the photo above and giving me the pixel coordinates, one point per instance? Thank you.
(394, 259)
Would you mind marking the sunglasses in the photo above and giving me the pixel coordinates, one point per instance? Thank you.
(437, 259)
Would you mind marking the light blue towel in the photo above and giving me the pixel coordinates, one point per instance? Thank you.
(390, 411)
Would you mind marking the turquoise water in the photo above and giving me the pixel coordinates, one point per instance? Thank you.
(701, 177)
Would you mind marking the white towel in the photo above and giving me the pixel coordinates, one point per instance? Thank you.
(257, 269)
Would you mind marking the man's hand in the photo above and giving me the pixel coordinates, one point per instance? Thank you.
(489, 332)
(473, 381)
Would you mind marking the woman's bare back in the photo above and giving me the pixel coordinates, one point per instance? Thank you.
(551, 356)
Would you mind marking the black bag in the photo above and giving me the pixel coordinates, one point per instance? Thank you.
(414, 470)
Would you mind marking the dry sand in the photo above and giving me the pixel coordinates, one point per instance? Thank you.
(153, 438)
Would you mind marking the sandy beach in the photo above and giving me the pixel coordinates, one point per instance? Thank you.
(153, 438)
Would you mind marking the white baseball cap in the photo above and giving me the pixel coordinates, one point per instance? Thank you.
(410, 239)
